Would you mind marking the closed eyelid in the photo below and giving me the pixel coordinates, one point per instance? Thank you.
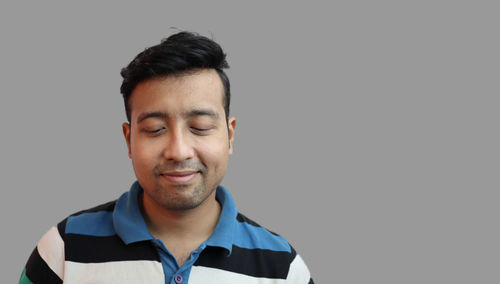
(202, 128)
(153, 129)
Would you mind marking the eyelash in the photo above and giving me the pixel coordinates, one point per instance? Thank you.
(155, 131)
(159, 130)
(200, 129)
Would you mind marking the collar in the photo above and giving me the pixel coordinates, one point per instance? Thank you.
(131, 227)
(223, 234)
(127, 218)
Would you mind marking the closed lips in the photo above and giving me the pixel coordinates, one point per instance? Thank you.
(179, 173)
(180, 176)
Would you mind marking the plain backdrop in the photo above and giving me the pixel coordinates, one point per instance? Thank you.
(367, 131)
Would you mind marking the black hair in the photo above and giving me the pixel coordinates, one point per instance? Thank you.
(180, 53)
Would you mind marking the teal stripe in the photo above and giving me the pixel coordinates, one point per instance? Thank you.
(98, 224)
(24, 279)
(252, 237)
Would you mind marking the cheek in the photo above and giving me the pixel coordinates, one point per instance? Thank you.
(143, 153)
(214, 154)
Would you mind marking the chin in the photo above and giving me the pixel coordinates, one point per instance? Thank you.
(182, 197)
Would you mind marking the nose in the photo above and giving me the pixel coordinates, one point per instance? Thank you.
(178, 147)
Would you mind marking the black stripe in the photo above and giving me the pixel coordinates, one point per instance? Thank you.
(39, 272)
(252, 262)
(293, 254)
(61, 227)
(110, 206)
(244, 219)
(90, 249)
(311, 281)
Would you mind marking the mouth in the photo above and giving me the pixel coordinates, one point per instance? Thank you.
(179, 177)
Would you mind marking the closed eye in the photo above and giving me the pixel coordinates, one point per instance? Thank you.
(155, 131)
(201, 130)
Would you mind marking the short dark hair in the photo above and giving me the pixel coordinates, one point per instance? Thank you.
(180, 53)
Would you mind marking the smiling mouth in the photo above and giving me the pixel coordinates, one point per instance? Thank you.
(179, 177)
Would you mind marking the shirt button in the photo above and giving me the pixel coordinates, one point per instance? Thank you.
(178, 279)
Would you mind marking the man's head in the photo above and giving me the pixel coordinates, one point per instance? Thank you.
(180, 53)
(179, 135)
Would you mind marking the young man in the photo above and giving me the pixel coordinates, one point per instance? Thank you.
(176, 224)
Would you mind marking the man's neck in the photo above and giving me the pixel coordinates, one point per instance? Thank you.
(181, 230)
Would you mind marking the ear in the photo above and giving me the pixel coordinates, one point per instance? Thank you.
(126, 134)
(231, 125)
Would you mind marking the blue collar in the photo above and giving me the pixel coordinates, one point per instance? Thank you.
(131, 227)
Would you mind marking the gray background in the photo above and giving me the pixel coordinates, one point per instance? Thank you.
(367, 131)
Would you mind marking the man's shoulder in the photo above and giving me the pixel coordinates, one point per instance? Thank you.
(257, 254)
(95, 221)
(105, 207)
(250, 235)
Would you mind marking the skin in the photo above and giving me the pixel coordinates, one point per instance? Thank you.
(179, 143)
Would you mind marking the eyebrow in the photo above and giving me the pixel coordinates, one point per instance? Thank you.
(188, 114)
(155, 114)
(201, 112)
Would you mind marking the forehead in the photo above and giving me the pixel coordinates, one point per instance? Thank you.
(178, 93)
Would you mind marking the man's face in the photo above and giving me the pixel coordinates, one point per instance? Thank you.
(178, 138)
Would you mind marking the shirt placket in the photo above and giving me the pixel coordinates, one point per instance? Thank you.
(173, 273)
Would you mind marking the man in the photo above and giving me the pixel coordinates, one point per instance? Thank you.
(176, 224)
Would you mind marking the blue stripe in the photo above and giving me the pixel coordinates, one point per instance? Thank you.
(98, 224)
(252, 237)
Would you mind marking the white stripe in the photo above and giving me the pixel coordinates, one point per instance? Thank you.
(298, 272)
(119, 272)
(207, 275)
(51, 249)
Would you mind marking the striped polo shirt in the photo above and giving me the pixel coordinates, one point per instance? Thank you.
(111, 244)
